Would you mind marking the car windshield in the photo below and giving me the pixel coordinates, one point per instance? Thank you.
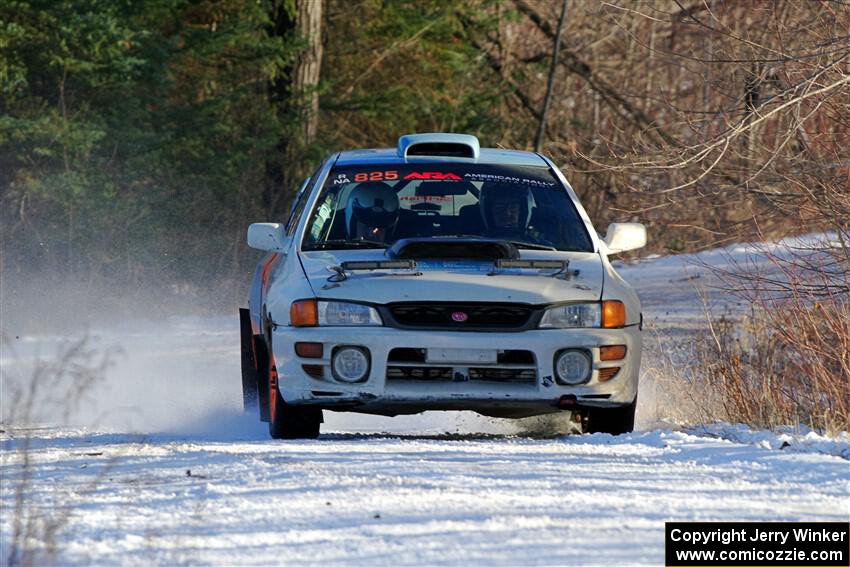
(374, 206)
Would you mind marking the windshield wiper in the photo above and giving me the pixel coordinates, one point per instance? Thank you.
(341, 244)
(517, 243)
(530, 245)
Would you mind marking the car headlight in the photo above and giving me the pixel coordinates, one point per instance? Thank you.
(310, 313)
(572, 316)
(609, 314)
(339, 313)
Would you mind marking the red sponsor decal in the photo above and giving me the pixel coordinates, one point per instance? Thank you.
(376, 176)
(435, 175)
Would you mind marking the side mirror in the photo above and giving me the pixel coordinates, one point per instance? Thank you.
(623, 236)
(267, 236)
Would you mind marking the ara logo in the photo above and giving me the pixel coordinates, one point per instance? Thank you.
(435, 175)
(459, 317)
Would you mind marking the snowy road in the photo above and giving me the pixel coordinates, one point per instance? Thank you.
(169, 472)
(373, 499)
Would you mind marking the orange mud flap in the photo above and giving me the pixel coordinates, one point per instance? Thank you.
(273, 397)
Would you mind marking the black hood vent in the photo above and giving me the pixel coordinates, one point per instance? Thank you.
(452, 249)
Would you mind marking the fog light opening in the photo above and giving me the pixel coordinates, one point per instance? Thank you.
(573, 366)
(350, 364)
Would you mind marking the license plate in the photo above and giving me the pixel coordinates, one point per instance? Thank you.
(463, 355)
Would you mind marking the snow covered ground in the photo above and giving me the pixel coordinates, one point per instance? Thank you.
(157, 465)
(407, 499)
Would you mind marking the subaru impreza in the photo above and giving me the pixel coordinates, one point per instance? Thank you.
(439, 275)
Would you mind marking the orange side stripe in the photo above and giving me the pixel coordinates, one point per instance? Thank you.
(267, 268)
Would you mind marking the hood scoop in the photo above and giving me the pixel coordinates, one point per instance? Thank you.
(452, 249)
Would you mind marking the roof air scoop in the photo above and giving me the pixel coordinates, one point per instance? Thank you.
(439, 145)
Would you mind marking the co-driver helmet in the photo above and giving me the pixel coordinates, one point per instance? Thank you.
(494, 192)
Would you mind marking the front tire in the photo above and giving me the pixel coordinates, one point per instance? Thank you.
(287, 421)
(615, 421)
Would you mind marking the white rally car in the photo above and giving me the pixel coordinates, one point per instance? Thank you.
(440, 276)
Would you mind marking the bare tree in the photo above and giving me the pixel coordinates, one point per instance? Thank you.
(541, 128)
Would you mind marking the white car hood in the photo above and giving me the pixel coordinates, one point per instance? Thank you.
(463, 280)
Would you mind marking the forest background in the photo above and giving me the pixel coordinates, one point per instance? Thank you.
(139, 139)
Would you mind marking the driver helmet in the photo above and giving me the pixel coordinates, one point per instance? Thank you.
(505, 207)
(373, 204)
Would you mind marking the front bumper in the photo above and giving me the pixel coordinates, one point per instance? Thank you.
(310, 380)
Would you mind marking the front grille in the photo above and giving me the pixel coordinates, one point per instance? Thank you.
(472, 374)
(512, 366)
(434, 373)
(465, 316)
(503, 374)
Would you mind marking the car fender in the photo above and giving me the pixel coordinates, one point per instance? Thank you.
(615, 287)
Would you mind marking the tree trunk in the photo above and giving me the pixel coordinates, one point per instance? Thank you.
(308, 66)
(295, 93)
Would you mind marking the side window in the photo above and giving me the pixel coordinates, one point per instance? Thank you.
(324, 217)
(300, 201)
(297, 207)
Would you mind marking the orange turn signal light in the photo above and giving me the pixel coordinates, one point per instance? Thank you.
(616, 352)
(309, 350)
(304, 313)
(613, 314)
